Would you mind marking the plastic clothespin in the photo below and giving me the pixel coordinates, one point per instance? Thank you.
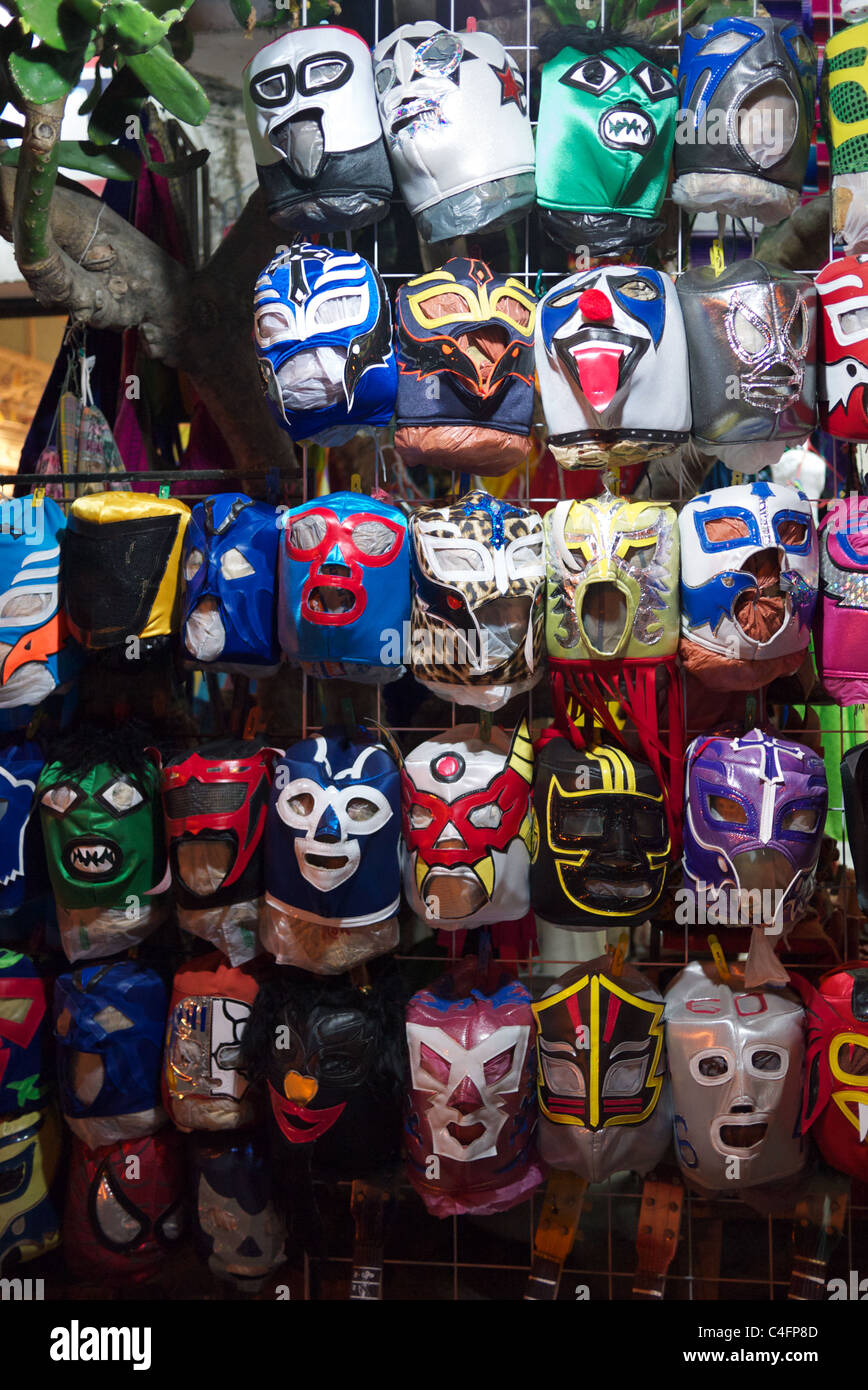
(538, 284)
(164, 490)
(750, 712)
(719, 959)
(39, 495)
(716, 257)
(470, 26)
(272, 486)
(255, 723)
(620, 953)
(485, 725)
(356, 482)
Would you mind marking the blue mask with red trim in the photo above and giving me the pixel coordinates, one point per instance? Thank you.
(345, 586)
(230, 569)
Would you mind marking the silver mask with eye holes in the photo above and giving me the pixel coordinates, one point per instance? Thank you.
(736, 1060)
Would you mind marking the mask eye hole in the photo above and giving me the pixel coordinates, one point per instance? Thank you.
(580, 823)
(639, 288)
(420, 817)
(60, 799)
(274, 87)
(640, 554)
(13, 1180)
(384, 76)
(271, 324)
(26, 606)
(486, 817)
(434, 1064)
(594, 75)
(193, 564)
(650, 825)
(499, 1066)
(767, 1061)
(234, 565)
(751, 334)
(625, 1078)
(726, 810)
(120, 796)
(439, 55)
(374, 538)
(851, 1058)
(324, 73)
(301, 805)
(361, 809)
(712, 1067)
(307, 532)
(460, 561)
(730, 42)
(341, 308)
(726, 528)
(792, 533)
(804, 820)
(562, 1077)
(654, 81)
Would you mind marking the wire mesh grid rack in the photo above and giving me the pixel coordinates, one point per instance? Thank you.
(728, 1248)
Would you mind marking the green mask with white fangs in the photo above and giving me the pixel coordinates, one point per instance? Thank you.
(102, 825)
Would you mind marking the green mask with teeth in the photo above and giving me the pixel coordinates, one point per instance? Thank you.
(103, 833)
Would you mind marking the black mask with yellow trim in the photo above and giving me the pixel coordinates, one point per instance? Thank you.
(602, 844)
(121, 566)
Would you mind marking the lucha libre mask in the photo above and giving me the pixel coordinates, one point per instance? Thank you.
(22, 853)
(454, 114)
(29, 1156)
(37, 654)
(612, 579)
(121, 567)
(103, 829)
(332, 1060)
(844, 629)
(748, 87)
(602, 843)
(749, 577)
(108, 1026)
(465, 369)
(751, 339)
(756, 807)
(214, 806)
(331, 853)
(124, 1218)
(735, 1059)
(603, 1093)
(471, 1100)
(22, 1011)
(836, 1067)
(468, 827)
(477, 615)
(344, 581)
(236, 1229)
(843, 377)
(323, 334)
(604, 140)
(312, 115)
(605, 341)
(844, 114)
(202, 1086)
(229, 608)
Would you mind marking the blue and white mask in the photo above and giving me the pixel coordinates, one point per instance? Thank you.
(230, 572)
(333, 832)
(108, 1025)
(37, 652)
(323, 332)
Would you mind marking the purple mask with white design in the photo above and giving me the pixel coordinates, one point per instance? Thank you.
(756, 807)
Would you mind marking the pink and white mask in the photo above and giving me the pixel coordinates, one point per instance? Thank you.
(471, 1109)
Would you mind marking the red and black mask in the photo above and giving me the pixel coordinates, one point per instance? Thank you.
(124, 1208)
(836, 1067)
(214, 804)
(330, 1057)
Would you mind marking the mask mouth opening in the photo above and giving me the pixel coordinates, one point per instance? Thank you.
(612, 891)
(202, 863)
(313, 379)
(90, 858)
(764, 874)
(626, 127)
(332, 598)
(412, 115)
(742, 1136)
(484, 347)
(761, 612)
(604, 616)
(458, 892)
(301, 142)
(503, 629)
(465, 1135)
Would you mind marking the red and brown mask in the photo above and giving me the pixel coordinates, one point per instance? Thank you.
(836, 1072)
